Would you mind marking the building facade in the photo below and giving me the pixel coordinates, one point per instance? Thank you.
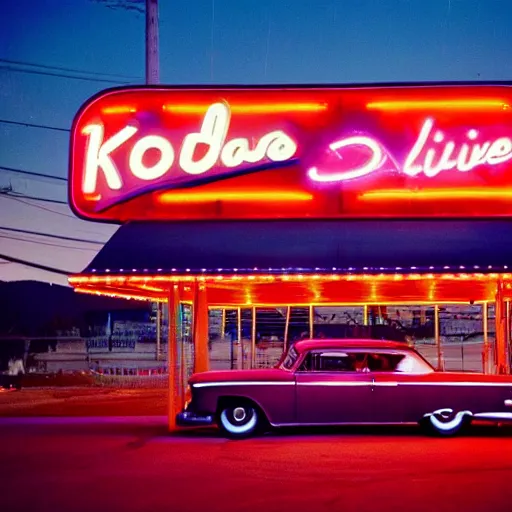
(376, 211)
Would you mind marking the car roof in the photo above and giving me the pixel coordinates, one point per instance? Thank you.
(322, 344)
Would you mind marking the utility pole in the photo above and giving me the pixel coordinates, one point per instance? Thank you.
(158, 330)
(152, 63)
(152, 78)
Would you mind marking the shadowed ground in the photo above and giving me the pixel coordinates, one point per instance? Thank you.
(132, 464)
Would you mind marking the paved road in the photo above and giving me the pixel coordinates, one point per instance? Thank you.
(132, 464)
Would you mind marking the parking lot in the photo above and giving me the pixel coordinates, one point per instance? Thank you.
(133, 464)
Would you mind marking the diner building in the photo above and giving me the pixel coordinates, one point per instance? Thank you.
(260, 215)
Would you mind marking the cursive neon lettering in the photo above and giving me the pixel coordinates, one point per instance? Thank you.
(466, 157)
(478, 154)
(156, 171)
(213, 133)
(368, 167)
(431, 154)
(275, 146)
(463, 160)
(279, 146)
(500, 151)
(444, 163)
(409, 168)
(235, 152)
(97, 156)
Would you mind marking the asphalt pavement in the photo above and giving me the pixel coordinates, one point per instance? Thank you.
(133, 464)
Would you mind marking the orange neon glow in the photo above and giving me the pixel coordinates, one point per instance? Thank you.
(365, 303)
(301, 290)
(256, 108)
(429, 194)
(234, 196)
(92, 197)
(152, 288)
(118, 110)
(141, 285)
(465, 104)
(119, 295)
(263, 278)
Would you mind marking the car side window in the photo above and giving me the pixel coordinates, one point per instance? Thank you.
(328, 362)
(384, 362)
(357, 361)
(413, 364)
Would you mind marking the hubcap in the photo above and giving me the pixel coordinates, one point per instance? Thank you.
(239, 414)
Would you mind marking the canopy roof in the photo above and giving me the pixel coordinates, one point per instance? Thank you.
(306, 246)
(306, 262)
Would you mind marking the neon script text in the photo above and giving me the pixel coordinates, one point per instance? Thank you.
(276, 146)
(432, 153)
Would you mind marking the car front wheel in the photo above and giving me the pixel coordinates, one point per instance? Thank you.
(239, 419)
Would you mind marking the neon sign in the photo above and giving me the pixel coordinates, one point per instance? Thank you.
(295, 152)
(275, 146)
(431, 153)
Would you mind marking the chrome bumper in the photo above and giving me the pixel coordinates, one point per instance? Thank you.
(188, 419)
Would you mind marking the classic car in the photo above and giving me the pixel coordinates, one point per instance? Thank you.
(346, 382)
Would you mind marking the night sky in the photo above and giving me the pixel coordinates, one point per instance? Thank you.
(204, 42)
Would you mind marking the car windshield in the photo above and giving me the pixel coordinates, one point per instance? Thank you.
(289, 359)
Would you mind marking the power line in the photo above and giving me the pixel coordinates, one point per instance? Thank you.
(38, 206)
(31, 173)
(34, 198)
(126, 5)
(61, 75)
(33, 125)
(39, 242)
(50, 235)
(71, 70)
(35, 265)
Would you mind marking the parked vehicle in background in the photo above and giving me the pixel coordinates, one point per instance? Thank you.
(13, 376)
(346, 382)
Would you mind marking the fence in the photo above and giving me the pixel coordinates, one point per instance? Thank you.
(131, 378)
(129, 359)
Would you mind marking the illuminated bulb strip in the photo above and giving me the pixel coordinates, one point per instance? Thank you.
(466, 104)
(256, 108)
(92, 197)
(431, 194)
(118, 110)
(285, 278)
(233, 196)
(121, 295)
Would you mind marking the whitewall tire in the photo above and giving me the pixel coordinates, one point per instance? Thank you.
(239, 419)
(446, 422)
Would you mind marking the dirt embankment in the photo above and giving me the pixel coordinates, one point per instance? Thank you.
(83, 402)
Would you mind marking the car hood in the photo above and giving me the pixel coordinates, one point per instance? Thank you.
(241, 376)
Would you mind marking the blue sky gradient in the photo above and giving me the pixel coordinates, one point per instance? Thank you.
(211, 42)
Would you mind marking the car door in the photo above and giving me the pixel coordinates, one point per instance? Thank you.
(389, 398)
(331, 390)
(402, 388)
